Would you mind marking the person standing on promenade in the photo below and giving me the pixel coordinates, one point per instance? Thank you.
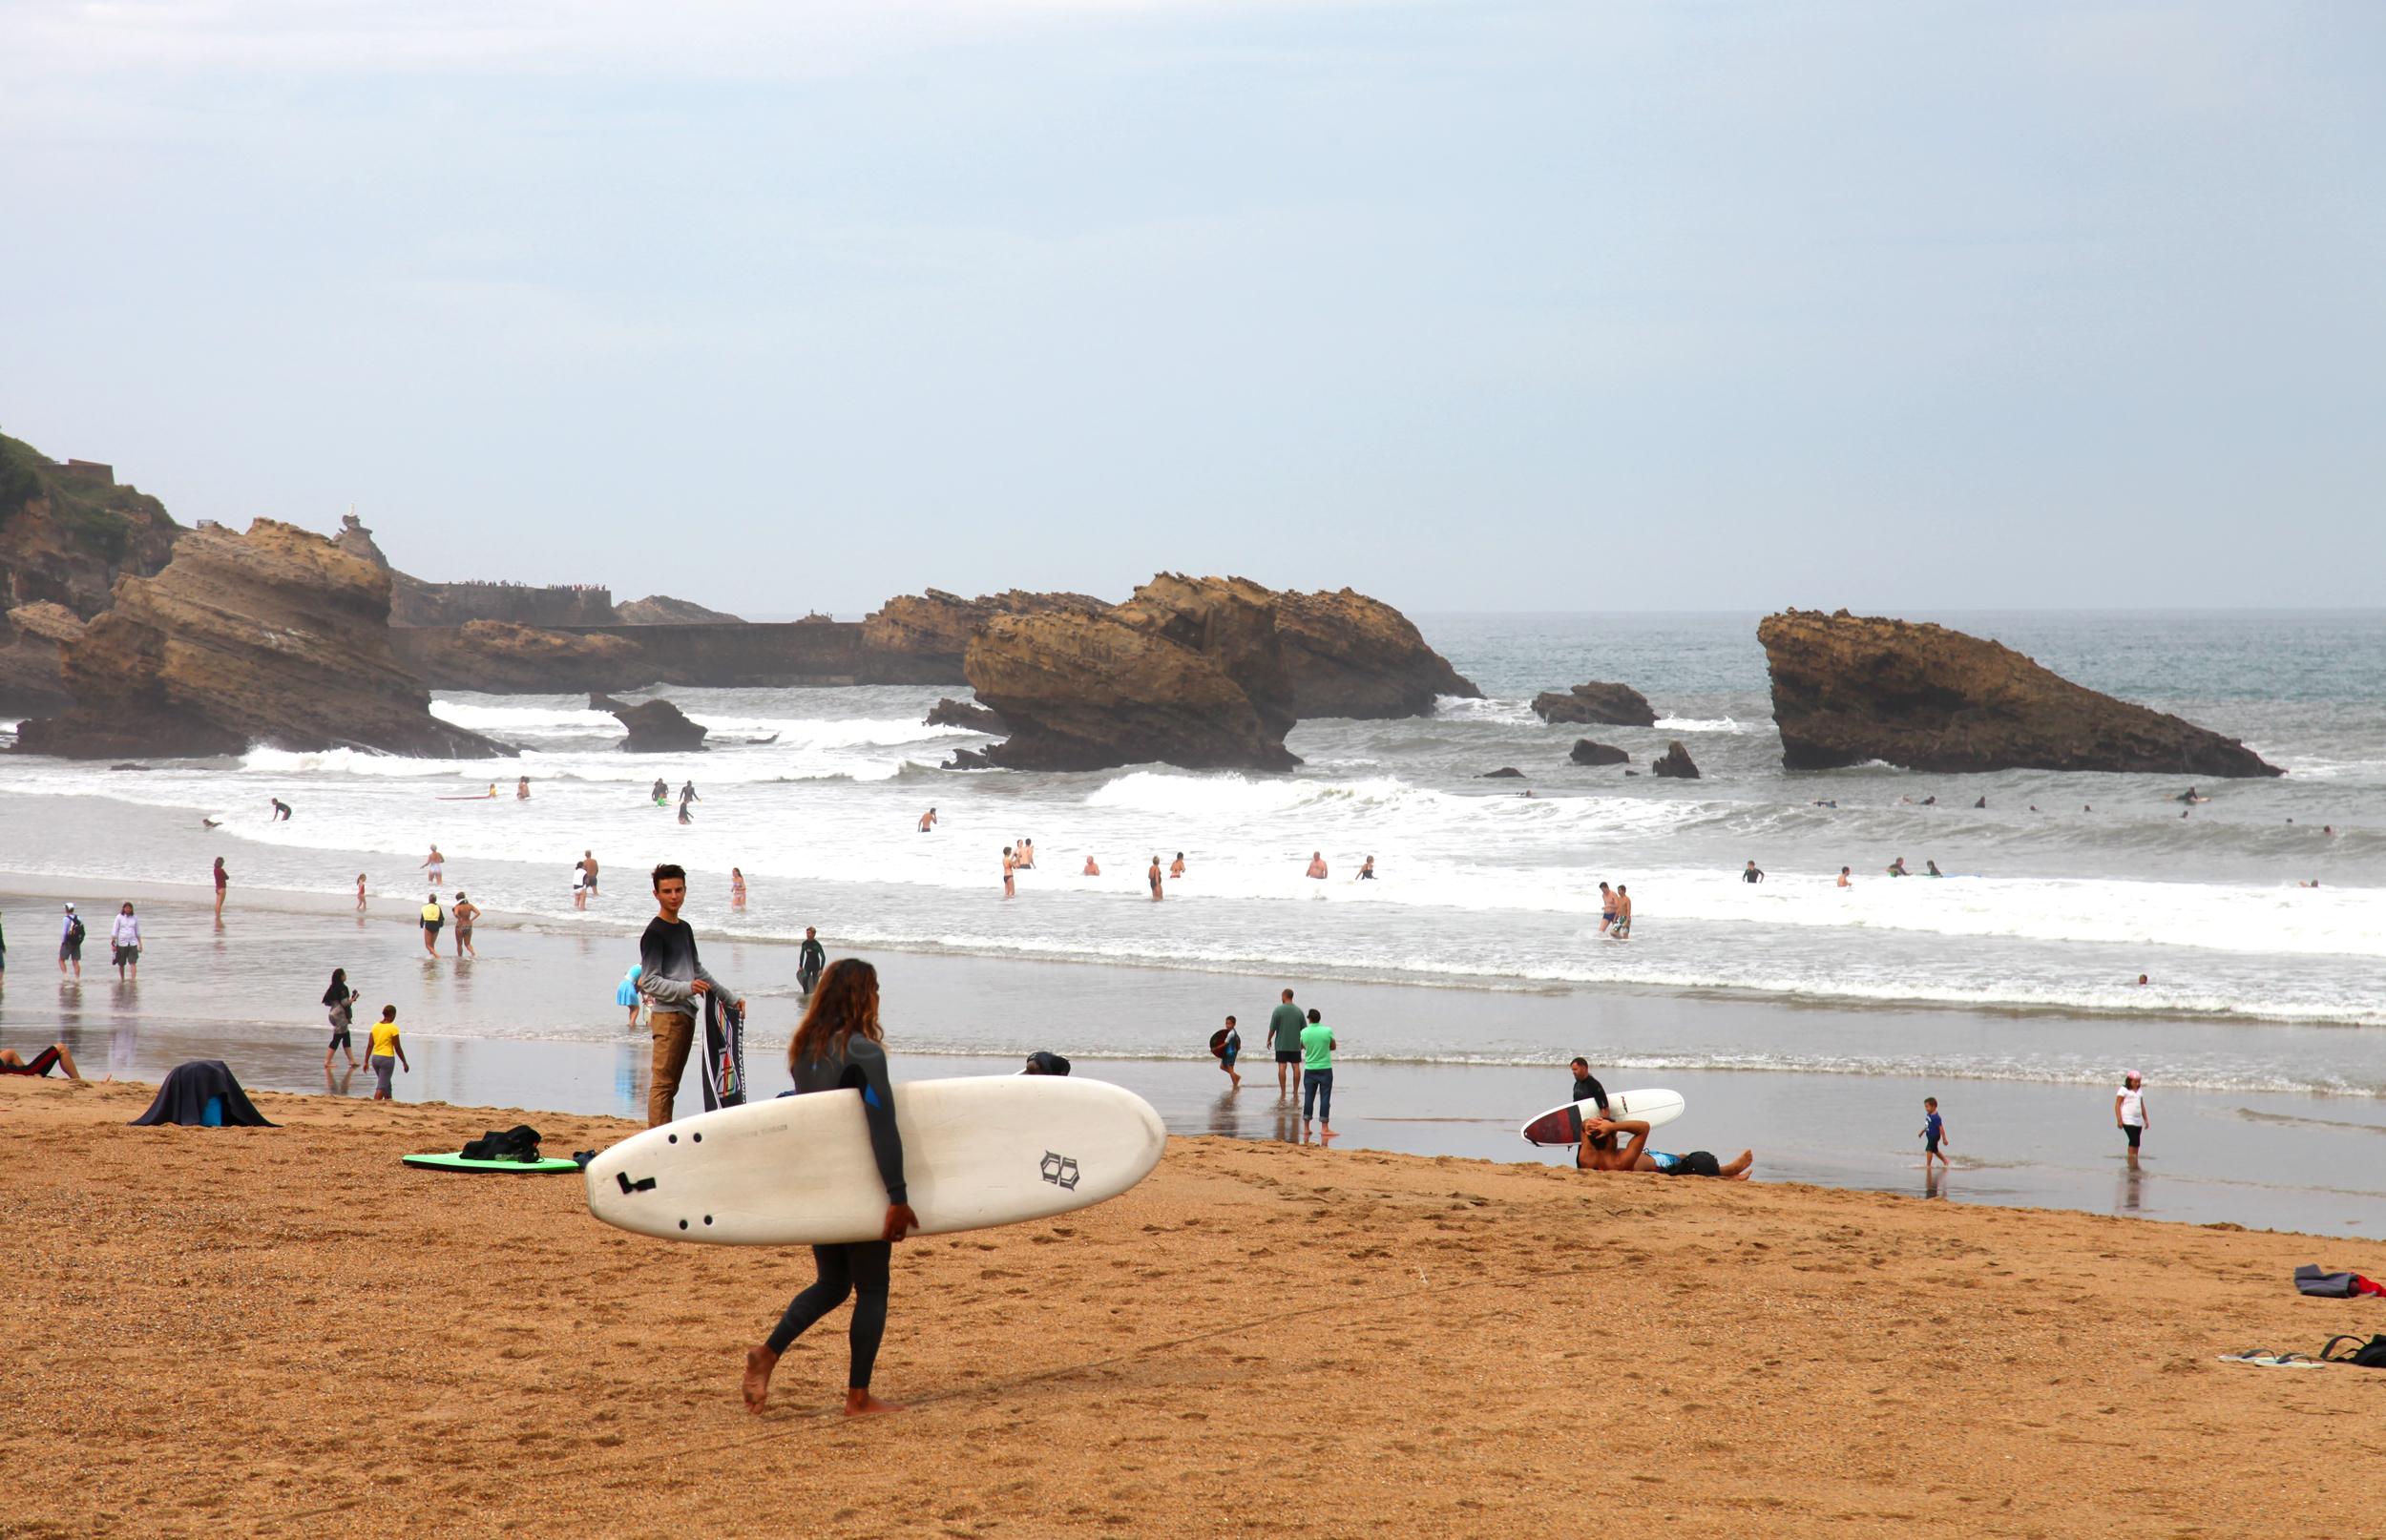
(124, 941)
(2129, 1113)
(71, 941)
(339, 1009)
(384, 1052)
(1283, 1032)
(1317, 1076)
(223, 879)
(431, 920)
(838, 1045)
(810, 959)
(674, 980)
(466, 911)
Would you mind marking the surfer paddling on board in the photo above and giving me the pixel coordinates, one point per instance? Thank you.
(1601, 1150)
(674, 981)
(837, 1046)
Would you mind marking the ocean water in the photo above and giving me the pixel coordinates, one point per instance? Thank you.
(2060, 893)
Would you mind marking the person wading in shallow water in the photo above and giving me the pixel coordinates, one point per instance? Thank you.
(838, 1045)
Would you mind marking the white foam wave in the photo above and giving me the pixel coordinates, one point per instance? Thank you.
(1708, 724)
(1463, 709)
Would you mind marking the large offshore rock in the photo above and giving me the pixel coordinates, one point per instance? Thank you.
(1586, 752)
(275, 637)
(1610, 705)
(656, 726)
(1851, 688)
(1352, 656)
(1188, 671)
(920, 638)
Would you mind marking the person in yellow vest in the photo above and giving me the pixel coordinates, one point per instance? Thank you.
(433, 918)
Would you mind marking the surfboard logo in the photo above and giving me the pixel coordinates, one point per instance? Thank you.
(1059, 1169)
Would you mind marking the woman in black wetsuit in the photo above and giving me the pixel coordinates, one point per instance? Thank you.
(838, 1045)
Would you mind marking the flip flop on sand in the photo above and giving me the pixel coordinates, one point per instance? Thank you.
(2263, 1358)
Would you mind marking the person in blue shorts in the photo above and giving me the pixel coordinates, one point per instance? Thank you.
(1229, 1052)
(1934, 1134)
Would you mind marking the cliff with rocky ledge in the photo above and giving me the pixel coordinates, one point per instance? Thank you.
(68, 530)
(1851, 688)
(276, 637)
(920, 638)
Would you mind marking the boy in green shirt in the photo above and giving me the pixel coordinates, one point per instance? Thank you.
(1317, 1077)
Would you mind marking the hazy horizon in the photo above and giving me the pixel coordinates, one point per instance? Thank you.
(1500, 309)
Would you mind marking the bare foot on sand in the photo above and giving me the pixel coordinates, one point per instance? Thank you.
(862, 1403)
(759, 1362)
(1738, 1171)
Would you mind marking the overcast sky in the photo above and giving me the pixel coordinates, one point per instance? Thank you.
(1475, 305)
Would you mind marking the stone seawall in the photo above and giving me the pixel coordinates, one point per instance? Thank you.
(806, 652)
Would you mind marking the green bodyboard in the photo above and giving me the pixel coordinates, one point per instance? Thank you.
(456, 1162)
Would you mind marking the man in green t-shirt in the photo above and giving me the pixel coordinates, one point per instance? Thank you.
(1317, 1077)
(1284, 1029)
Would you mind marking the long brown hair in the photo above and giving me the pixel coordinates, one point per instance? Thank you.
(844, 1004)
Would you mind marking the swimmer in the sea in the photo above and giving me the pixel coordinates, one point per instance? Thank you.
(1175, 867)
(928, 821)
(1317, 865)
(1091, 869)
(1898, 867)
(1153, 877)
(1606, 908)
(1366, 869)
(1843, 878)
(1929, 868)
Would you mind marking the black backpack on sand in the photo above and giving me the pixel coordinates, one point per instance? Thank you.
(520, 1142)
(2368, 1355)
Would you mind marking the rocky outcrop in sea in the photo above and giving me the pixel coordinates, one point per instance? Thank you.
(1851, 688)
(655, 726)
(1596, 702)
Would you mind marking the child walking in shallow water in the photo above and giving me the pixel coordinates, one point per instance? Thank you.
(1934, 1134)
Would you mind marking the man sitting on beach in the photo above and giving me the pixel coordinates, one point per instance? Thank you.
(1602, 1151)
(54, 1056)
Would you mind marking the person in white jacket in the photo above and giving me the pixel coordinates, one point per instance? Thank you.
(125, 936)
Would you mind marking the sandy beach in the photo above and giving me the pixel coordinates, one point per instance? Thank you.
(285, 1331)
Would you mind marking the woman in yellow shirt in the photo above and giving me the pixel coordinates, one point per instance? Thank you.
(385, 1050)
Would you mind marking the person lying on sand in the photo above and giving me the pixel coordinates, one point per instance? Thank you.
(1602, 1151)
(54, 1056)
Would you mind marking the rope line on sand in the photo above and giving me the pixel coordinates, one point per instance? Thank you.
(646, 1454)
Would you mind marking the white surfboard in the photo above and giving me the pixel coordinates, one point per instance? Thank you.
(1563, 1125)
(798, 1169)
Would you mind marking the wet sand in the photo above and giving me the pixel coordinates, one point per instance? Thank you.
(530, 1024)
(286, 1332)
